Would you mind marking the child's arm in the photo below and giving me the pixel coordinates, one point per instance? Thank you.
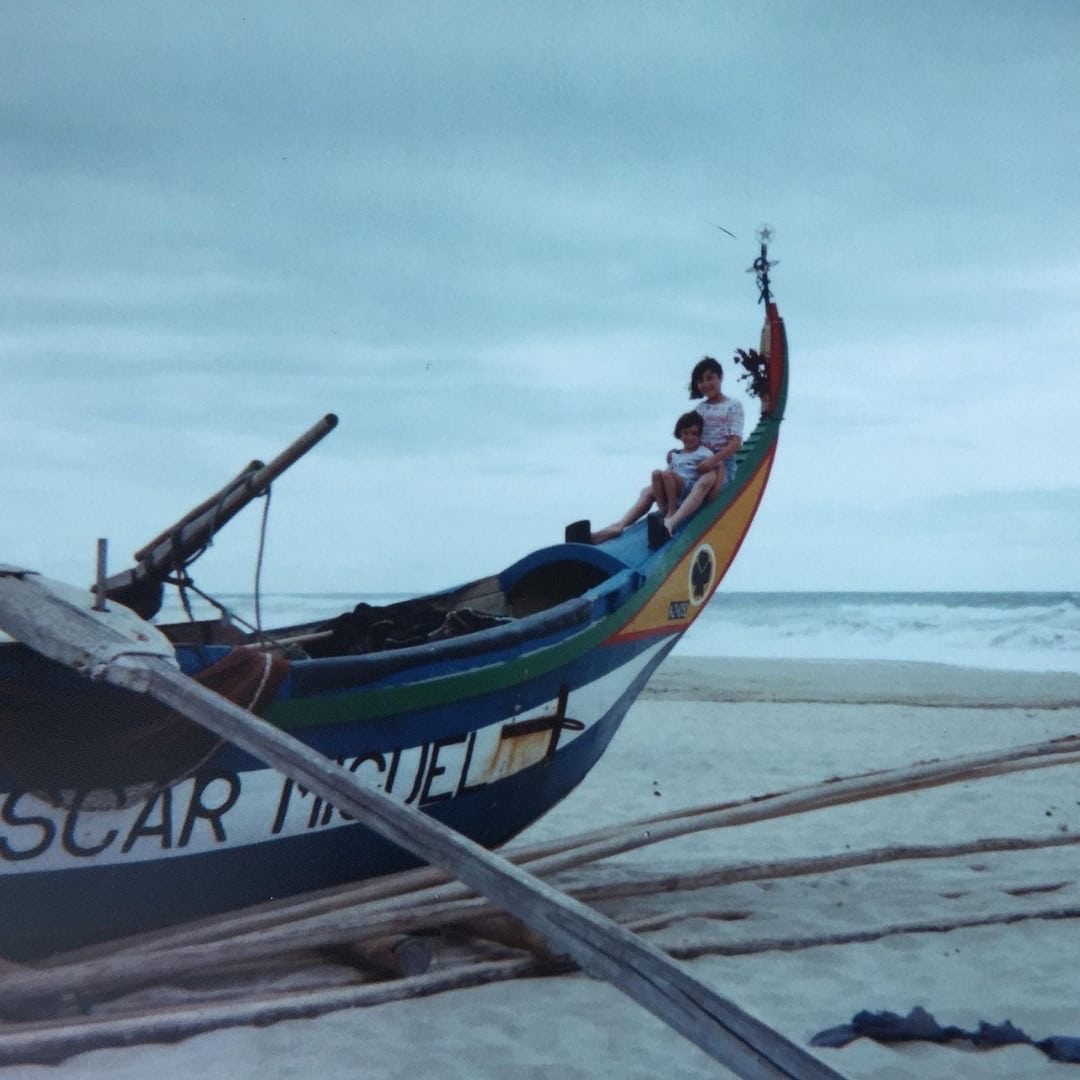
(729, 448)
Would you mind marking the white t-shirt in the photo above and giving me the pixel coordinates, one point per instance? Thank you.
(684, 463)
(720, 420)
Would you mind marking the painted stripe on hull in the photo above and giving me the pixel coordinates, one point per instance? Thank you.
(64, 908)
(485, 741)
(224, 809)
(692, 581)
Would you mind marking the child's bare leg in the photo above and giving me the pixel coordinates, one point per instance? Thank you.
(659, 491)
(695, 497)
(644, 501)
(721, 483)
(671, 492)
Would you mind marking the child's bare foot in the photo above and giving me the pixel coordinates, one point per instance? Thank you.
(668, 524)
(609, 533)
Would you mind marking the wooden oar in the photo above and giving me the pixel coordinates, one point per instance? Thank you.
(116, 647)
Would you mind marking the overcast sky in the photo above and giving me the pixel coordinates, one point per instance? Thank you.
(480, 234)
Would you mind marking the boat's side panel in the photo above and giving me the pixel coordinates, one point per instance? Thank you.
(486, 735)
(690, 584)
(237, 833)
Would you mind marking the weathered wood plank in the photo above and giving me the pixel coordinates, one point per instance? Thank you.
(60, 622)
(128, 968)
(48, 621)
(297, 917)
(104, 975)
(597, 945)
(53, 1041)
(613, 840)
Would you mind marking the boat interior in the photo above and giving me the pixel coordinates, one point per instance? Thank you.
(534, 594)
(536, 586)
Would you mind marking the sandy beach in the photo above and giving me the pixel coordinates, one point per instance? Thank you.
(981, 935)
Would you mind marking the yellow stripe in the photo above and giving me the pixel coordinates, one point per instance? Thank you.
(682, 596)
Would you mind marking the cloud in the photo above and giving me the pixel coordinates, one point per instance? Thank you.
(481, 234)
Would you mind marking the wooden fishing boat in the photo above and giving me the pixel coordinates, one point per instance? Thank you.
(482, 705)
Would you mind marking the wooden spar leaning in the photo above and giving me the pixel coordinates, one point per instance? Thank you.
(116, 647)
(244, 479)
(140, 587)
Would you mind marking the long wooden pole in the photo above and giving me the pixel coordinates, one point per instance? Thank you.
(119, 649)
(173, 546)
(243, 479)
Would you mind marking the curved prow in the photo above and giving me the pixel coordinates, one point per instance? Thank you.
(774, 349)
(773, 338)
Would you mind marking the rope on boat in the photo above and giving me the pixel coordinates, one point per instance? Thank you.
(182, 580)
(259, 563)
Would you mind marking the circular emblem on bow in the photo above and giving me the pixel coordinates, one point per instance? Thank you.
(702, 574)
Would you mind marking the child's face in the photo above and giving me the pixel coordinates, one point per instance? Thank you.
(709, 385)
(691, 438)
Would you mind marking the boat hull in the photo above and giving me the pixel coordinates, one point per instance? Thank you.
(237, 833)
(485, 732)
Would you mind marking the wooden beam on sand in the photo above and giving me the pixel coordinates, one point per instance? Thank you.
(55, 1040)
(241, 937)
(421, 898)
(116, 647)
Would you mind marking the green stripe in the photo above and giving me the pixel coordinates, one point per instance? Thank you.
(442, 689)
(392, 701)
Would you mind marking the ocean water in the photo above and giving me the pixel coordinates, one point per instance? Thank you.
(1008, 631)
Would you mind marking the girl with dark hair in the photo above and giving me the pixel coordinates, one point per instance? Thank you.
(670, 485)
(721, 432)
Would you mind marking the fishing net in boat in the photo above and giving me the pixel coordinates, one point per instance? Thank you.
(68, 740)
(369, 628)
